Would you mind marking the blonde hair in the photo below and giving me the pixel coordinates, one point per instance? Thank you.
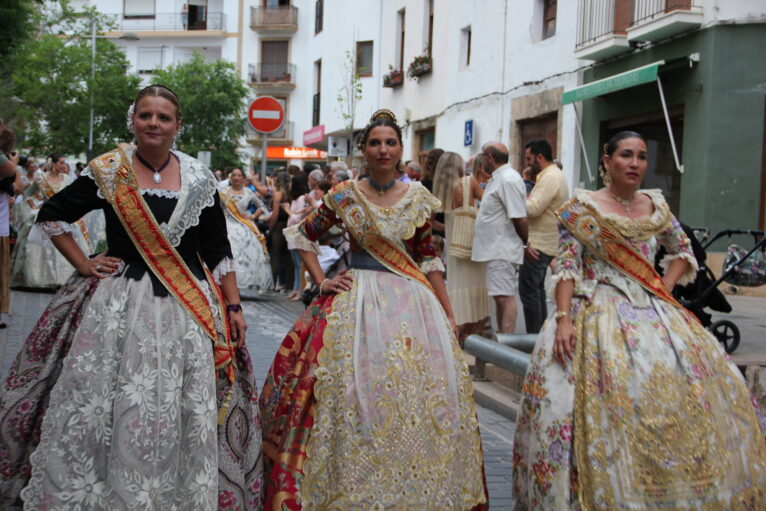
(449, 170)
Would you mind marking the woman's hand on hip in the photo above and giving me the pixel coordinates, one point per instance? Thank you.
(100, 266)
(341, 282)
(564, 343)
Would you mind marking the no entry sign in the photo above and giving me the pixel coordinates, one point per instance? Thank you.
(265, 114)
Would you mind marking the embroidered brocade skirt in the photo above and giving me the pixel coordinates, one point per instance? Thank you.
(113, 404)
(651, 414)
(369, 405)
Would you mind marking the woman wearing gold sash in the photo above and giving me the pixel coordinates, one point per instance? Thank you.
(36, 262)
(368, 404)
(135, 389)
(629, 403)
(247, 243)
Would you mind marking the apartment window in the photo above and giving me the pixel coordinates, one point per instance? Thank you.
(138, 8)
(149, 60)
(430, 28)
(400, 39)
(318, 16)
(364, 58)
(317, 93)
(274, 65)
(465, 47)
(549, 18)
(276, 3)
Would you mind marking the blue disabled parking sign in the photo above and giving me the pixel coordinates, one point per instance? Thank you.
(468, 133)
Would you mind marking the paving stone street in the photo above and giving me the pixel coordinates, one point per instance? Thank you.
(269, 320)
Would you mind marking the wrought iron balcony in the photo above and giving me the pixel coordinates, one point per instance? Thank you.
(272, 76)
(605, 27)
(171, 21)
(278, 18)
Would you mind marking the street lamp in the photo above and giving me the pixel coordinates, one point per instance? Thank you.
(127, 36)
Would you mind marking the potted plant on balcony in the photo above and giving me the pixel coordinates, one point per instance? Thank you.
(393, 78)
(420, 65)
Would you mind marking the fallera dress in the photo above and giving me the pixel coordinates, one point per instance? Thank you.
(36, 262)
(120, 399)
(248, 245)
(651, 413)
(369, 403)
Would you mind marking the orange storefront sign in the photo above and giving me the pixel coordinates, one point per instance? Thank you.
(288, 153)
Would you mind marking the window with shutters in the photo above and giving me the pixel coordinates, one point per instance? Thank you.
(364, 58)
(549, 18)
(149, 60)
(137, 9)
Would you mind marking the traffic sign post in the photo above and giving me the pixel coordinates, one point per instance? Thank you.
(265, 115)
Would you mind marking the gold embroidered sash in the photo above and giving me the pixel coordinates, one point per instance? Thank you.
(357, 218)
(49, 192)
(160, 255)
(608, 244)
(232, 208)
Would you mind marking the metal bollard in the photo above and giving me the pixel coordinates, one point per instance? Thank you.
(495, 353)
(521, 342)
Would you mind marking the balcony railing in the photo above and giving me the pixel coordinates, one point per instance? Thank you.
(647, 9)
(281, 17)
(171, 21)
(282, 73)
(283, 133)
(599, 18)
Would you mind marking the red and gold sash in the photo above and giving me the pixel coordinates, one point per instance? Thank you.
(357, 218)
(608, 244)
(48, 192)
(160, 255)
(231, 206)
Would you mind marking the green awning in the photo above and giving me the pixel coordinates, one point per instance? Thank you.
(638, 76)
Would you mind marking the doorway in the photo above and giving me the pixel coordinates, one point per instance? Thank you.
(545, 127)
(197, 15)
(661, 170)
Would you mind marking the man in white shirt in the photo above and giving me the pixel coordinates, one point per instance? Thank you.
(501, 233)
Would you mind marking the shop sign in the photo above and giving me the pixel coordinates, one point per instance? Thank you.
(314, 136)
(300, 153)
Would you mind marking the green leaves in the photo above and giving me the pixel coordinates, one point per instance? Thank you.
(213, 107)
(53, 79)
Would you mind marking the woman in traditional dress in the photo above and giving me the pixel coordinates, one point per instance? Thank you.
(247, 243)
(135, 389)
(466, 282)
(369, 404)
(28, 176)
(36, 262)
(629, 403)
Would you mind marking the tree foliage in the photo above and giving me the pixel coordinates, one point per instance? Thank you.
(51, 84)
(213, 106)
(17, 24)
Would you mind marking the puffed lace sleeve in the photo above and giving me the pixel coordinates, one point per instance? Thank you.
(569, 257)
(303, 236)
(678, 246)
(423, 250)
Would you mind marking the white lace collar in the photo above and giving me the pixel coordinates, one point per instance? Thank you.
(159, 192)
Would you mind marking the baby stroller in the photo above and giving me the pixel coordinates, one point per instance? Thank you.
(741, 267)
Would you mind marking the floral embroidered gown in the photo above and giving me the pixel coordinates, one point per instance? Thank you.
(36, 262)
(651, 413)
(250, 255)
(113, 402)
(368, 403)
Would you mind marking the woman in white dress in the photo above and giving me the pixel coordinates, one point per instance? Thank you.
(466, 283)
(247, 243)
(36, 262)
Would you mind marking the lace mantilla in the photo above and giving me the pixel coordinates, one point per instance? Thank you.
(412, 210)
(636, 228)
(198, 189)
(159, 192)
(226, 266)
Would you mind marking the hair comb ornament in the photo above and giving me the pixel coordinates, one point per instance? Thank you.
(383, 113)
